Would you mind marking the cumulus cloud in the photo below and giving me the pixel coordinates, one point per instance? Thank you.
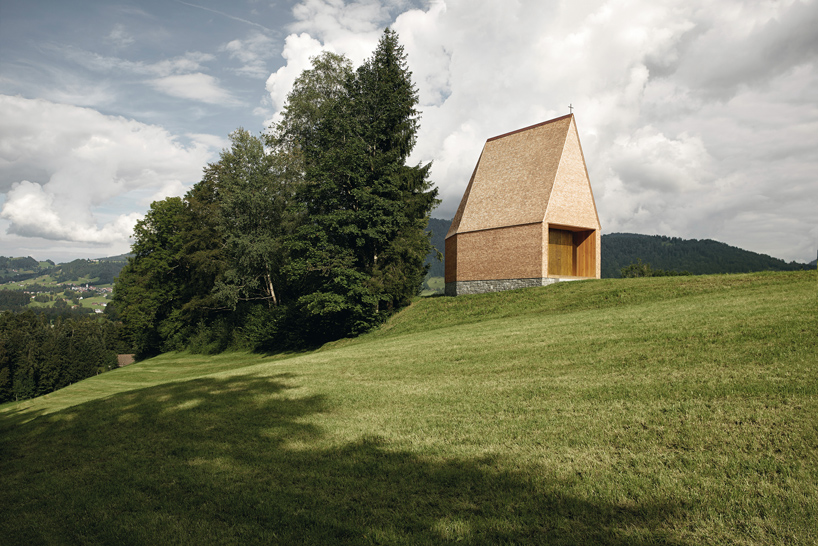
(63, 167)
(693, 116)
(298, 49)
(350, 29)
(34, 212)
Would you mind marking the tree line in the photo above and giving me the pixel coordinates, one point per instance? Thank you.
(97, 271)
(698, 257)
(310, 232)
(39, 354)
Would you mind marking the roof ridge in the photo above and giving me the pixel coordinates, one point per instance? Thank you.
(530, 127)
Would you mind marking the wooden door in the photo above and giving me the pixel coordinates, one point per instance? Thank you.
(560, 252)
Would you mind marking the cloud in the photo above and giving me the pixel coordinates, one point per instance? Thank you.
(350, 29)
(178, 76)
(120, 37)
(753, 45)
(198, 86)
(693, 115)
(191, 61)
(33, 213)
(253, 53)
(63, 167)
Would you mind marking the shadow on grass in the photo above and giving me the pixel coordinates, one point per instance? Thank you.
(236, 461)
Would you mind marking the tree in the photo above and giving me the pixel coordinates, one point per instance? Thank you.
(637, 269)
(148, 288)
(321, 231)
(359, 252)
(38, 356)
(314, 96)
(398, 197)
(256, 189)
(640, 269)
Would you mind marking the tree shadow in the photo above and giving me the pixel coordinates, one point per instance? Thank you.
(236, 461)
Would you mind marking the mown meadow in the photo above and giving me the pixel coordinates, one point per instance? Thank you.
(671, 410)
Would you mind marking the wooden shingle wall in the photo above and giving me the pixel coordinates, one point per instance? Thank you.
(503, 253)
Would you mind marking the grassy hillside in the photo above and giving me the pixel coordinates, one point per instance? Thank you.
(637, 411)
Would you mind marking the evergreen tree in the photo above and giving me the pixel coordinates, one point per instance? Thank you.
(360, 249)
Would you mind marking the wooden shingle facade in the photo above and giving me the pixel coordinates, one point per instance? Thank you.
(528, 216)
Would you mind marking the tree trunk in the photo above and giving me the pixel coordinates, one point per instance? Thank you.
(270, 289)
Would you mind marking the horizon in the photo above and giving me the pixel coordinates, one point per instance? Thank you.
(126, 254)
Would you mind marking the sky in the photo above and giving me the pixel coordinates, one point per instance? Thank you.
(698, 119)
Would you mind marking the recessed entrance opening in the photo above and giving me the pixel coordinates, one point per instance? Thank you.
(571, 252)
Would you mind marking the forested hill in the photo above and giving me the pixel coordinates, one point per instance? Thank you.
(101, 271)
(619, 250)
(698, 256)
(439, 228)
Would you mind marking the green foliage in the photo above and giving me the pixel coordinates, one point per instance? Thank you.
(39, 356)
(147, 292)
(13, 300)
(434, 260)
(359, 252)
(699, 257)
(19, 269)
(323, 227)
(24, 264)
(315, 94)
(255, 190)
(165, 290)
(640, 269)
(96, 271)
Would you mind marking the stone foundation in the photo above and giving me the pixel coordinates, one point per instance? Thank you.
(463, 288)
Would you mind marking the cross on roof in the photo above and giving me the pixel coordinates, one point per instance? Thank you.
(571, 108)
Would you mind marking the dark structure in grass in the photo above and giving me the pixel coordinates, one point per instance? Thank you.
(528, 216)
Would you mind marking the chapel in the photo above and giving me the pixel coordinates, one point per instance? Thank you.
(528, 216)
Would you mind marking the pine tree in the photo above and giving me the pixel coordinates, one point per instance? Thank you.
(359, 252)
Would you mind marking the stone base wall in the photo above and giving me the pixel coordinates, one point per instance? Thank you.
(463, 288)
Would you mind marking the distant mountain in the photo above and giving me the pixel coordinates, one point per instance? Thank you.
(439, 228)
(101, 271)
(698, 256)
(21, 269)
(120, 258)
(619, 250)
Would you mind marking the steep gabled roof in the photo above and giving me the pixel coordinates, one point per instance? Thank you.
(514, 178)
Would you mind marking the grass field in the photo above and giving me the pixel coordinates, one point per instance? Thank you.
(674, 410)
